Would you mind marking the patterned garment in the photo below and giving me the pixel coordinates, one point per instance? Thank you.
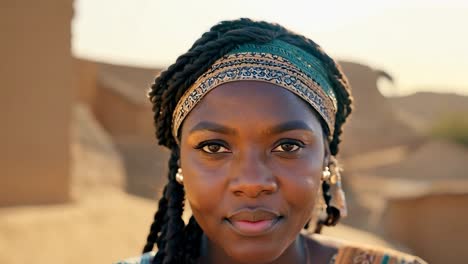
(345, 255)
(362, 255)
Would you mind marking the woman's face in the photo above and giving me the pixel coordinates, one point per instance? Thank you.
(252, 156)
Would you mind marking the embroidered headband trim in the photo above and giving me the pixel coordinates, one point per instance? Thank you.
(278, 63)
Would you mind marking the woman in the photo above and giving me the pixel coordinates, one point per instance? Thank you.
(253, 115)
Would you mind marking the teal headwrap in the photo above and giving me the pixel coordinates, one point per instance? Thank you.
(276, 62)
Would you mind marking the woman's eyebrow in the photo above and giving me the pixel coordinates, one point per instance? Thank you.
(213, 127)
(290, 125)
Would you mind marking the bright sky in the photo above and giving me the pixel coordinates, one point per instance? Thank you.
(422, 43)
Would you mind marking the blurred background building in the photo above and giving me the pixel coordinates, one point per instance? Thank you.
(37, 99)
(81, 169)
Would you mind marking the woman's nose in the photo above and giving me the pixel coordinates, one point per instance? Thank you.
(252, 177)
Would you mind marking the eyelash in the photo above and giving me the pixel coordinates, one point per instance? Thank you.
(295, 143)
(202, 145)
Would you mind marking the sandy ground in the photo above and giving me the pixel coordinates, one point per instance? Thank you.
(101, 228)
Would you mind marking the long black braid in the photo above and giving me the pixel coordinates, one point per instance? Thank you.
(176, 242)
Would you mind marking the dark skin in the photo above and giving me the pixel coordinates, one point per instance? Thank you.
(252, 155)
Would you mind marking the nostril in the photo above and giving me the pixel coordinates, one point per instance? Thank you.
(253, 185)
(254, 190)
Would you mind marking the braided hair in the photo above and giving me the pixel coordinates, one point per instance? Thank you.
(177, 242)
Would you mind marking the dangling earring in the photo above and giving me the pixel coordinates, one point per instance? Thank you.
(338, 199)
(179, 176)
(319, 212)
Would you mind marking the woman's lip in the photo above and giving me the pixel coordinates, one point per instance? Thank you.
(253, 228)
(253, 214)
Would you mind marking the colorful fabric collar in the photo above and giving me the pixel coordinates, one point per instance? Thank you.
(277, 62)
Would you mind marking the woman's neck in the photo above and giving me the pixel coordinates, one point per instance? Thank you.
(297, 252)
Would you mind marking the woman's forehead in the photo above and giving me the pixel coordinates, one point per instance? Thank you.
(251, 103)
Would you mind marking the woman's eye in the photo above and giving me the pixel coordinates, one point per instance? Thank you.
(214, 148)
(288, 147)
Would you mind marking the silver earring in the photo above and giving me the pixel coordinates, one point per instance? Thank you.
(179, 176)
(326, 174)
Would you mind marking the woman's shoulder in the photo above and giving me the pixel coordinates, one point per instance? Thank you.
(356, 253)
(146, 258)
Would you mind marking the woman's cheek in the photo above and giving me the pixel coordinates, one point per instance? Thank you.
(300, 182)
(203, 182)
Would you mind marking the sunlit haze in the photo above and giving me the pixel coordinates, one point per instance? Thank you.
(423, 44)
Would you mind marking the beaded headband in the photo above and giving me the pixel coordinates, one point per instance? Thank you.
(276, 62)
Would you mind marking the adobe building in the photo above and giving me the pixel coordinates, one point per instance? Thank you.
(117, 97)
(433, 224)
(36, 99)
(374, 124)
(419, 201)
(123, 108)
